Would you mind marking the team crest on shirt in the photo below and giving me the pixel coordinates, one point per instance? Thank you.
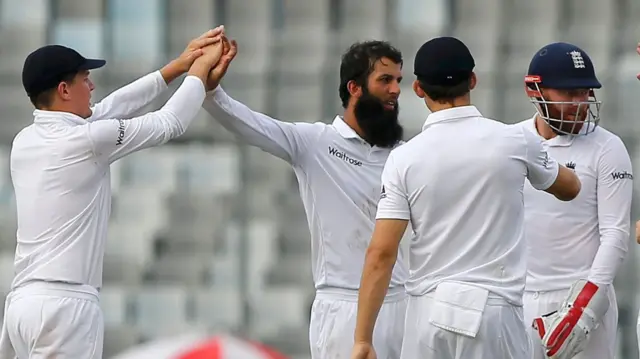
(571, 165)
(383, 194)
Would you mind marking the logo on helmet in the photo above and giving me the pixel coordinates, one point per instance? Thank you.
(578, 61)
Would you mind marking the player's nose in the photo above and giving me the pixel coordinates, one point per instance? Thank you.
(394, 89)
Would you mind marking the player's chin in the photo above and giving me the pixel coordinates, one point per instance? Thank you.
(572, 128)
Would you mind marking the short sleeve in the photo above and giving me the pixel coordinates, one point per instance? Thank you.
(394, 203)
(542, 169)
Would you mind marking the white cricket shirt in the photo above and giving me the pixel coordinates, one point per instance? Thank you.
(339, 180)
(460, 183)
(60, 173)
(588, 237)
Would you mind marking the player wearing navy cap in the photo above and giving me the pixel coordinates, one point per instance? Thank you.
(460, 183)
(60, 173)
(575, 248)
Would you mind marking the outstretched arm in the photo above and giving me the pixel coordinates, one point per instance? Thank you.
(286, 140)
(126, 101)
(113, 139)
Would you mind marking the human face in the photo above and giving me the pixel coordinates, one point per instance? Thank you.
(376, 109)
(568, 111)
(77, 94)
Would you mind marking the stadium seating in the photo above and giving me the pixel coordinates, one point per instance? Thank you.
(204, 222)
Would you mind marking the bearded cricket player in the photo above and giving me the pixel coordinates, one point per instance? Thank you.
(339, 167)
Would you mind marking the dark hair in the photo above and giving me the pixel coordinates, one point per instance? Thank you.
(445, 93)
(358, 63)
(44, 98)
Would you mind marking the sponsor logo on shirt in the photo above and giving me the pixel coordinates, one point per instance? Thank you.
(343, 156)
(383, 194)
(621, 175)
(120, 133)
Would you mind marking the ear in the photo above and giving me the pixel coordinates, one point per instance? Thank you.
(418, 90)
(474, 81)
(354, 89)
(63, 91)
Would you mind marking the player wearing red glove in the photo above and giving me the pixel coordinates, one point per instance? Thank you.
(575, 248)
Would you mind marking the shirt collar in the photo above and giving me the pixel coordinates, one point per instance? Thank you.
(343, 129)
(558, 141)
(349, 133)
(43, 117)
(451, 114)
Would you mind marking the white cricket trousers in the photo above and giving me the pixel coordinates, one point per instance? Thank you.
(498, 326)
(602, 341)
(333, 323)
(45, 320)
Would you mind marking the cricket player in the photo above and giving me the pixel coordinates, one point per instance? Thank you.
(60, 173)
(338, 167)
(460, 184)
(574, 249)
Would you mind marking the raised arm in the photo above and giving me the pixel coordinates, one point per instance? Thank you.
(286, 140)
(126, 101)
(116, 138)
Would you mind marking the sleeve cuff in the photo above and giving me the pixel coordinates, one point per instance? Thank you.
(157, 76)
(546, 185)
(389, 214)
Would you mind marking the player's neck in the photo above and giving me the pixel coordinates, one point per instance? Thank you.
(543, 129)
(60, 107)
(435, 106)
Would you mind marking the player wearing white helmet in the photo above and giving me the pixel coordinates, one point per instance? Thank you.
(575, 248)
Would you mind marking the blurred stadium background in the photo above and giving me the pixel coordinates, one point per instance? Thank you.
(208, 234)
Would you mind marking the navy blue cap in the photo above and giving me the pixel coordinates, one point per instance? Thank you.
(443, 61)
(45, 67)
(563, 66)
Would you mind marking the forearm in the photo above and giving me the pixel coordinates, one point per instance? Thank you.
(171, 71)
(373, 288)
(184, 105)
(613, 249)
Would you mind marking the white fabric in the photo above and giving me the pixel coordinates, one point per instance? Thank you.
(458, 307)
(60, 173)
(46, 320)
(594, 227)
(333, 322)
(339, 180)
(460, 183)
(602, 341)
(501, 335)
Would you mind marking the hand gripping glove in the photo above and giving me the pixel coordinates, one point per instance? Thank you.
(564, 333)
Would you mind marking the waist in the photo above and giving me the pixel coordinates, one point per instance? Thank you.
(394, 294)
(60, 289)
(493, 300)
(543, 281)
